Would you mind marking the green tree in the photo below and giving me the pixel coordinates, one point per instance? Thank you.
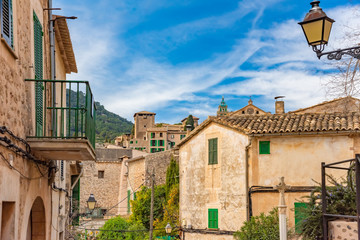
(119, 228)
(141, 206)
(189, 121)
(172, 175)
(260, 227)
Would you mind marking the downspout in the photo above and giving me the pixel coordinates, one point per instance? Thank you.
(52, 65)
(247, 176)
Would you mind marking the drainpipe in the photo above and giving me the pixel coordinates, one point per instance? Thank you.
(52, 65)
(247, 176)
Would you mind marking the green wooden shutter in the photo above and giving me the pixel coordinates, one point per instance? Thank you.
(75, 198)
(213, 218)
(128, 200)
(38, 53)
(213, 151)
(264, 147)
(299, 207)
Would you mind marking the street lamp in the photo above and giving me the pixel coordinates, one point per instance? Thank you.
(168, 229)
(317, 26)
(91, 202)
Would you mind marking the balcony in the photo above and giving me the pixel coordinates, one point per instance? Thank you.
(64, 120)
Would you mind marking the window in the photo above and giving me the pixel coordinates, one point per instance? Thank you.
(172, 136)
(152, 150)
(153, 143)
(144, 138)
(6, 19)
(134, 195)
(144, 126)
(136, 142)
(161, 142)
(213, 151)
(152, 135)
(213, 218)
(101, 174)
(264, 147)
(161, 134)
(298, 214)
(131, 142)
(182, 136)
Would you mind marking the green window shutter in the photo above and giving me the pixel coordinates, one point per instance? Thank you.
(128, 200)
(264, 147)
(134, 195)
(6, 21)
(213, 158)
(298, 209)
(213, 218)
(39, 88)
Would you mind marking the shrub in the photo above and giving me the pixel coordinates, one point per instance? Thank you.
(260, 227)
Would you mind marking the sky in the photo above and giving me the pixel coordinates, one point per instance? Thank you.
(179, 57)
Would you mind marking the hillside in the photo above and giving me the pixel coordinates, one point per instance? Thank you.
(108, 125)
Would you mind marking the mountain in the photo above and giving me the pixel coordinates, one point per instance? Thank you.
(108, 125)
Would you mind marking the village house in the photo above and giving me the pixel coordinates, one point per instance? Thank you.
(40, 148)
(230, 164)
(151, 137)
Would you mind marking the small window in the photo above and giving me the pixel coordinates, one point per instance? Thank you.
(101, 174)
(213, 219)
(213, 151)
(136, 142)
(243, 112)
(144, 138)
(144, 126)
(257, 112)
(131, 142)
(6, 22)
(161, 134)
(153, 143)
(182, 136)
(172, 136)
(264, 147)
(128, 201)
(161, 142)
(152, 135)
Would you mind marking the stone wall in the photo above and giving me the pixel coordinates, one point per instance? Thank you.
(343, 230)
(102, 178)
(159, 162)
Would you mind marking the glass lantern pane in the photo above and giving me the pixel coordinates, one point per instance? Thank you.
(327, 29)
(313, 31)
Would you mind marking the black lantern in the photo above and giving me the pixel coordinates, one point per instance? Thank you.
(91, 202)
(317, 27)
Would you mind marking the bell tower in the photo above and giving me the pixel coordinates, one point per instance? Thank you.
(222, 109)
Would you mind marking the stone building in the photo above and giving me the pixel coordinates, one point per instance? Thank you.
(150, 137)
(229, 164)
(35, 181)
(118, 174)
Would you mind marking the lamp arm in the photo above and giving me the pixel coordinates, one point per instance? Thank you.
(337, 54)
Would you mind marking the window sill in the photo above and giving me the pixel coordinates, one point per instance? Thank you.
(9, 48)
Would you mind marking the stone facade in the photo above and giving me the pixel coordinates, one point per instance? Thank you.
(33, 197)
(150, 137)
(342, 230)
(253, 152)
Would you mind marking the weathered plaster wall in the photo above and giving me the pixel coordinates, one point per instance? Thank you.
(221, 186)
(198, 236)
(298, 159)
(159, 162)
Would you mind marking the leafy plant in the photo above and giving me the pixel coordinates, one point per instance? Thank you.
(341, 199)
(119, 228)
(260, 227)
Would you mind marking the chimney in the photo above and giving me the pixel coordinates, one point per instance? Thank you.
(279, 105)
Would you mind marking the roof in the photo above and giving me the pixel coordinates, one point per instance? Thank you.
(346, 104)
(62, 35)
(144, 112)
(307, 123)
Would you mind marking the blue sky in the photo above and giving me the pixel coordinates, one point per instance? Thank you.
(179, 57)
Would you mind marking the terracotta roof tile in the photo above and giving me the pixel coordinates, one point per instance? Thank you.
(292, 123)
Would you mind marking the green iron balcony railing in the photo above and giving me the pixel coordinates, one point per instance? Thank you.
(64, 110)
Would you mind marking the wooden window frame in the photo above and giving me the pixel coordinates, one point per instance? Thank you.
(213, 220)
(264, 147)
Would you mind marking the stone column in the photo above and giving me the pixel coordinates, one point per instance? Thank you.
(282, 208)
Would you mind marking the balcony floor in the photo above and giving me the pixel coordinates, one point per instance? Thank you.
(62, 149)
